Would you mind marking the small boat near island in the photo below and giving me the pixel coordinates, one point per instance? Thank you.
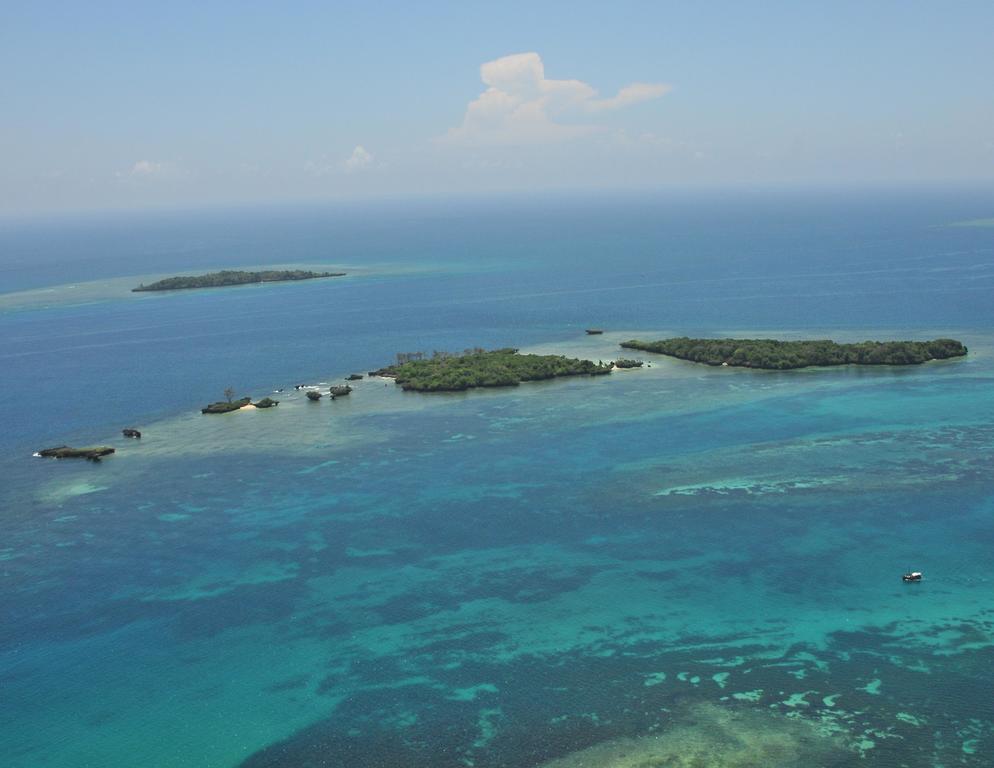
(912, 576)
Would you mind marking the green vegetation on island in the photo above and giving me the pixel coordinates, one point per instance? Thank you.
(782, 355)
(227, 406)
(93, 453)
(445, 372)
(232, 277)
(621, 362)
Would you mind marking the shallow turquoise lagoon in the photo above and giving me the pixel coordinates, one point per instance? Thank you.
(663, 566)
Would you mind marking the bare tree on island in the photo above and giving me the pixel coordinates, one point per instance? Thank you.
(229, 393)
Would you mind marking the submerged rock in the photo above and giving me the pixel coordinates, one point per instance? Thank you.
(718, 737)
(354, 377)
(92, 453)
(131, 432)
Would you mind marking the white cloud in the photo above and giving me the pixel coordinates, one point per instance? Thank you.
(359, 159)
(149, 170)
(144, 169)
(630, 94)
(522, 106)
(321, 167)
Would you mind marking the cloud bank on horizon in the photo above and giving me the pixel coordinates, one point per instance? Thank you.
(522, 106)
(343, 102)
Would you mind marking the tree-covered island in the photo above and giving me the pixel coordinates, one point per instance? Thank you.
(445, 372)
(782, 355)
(232, 277)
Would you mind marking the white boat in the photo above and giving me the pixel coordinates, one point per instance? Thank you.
(912, 576)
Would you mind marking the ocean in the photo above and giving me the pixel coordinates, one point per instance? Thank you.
(671, 566)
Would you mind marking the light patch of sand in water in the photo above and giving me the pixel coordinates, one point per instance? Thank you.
(57, 492)
(716, 737)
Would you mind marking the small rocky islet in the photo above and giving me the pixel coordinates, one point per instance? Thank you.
(227, 406)
(92, 453)
(336, 391)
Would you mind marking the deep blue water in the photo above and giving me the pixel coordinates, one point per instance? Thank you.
(667, 563)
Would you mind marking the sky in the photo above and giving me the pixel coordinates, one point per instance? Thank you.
(140, 104)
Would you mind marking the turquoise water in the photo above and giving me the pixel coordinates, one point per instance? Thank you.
(671, 564)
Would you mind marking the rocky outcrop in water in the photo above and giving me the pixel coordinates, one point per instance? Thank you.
(227, 406)
(93, 453)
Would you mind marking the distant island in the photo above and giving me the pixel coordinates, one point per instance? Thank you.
(783, 355)
(445, 372)
(232, 277)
